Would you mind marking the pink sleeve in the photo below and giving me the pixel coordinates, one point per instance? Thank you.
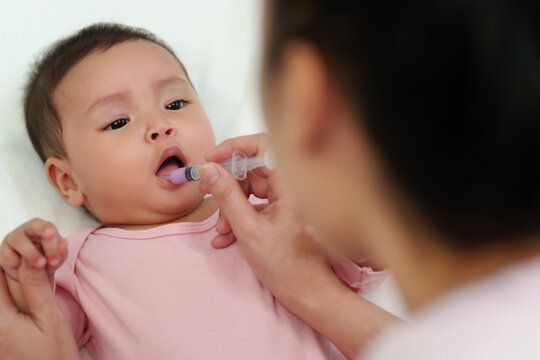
(70, 307)
(360, 279)
(65, 292)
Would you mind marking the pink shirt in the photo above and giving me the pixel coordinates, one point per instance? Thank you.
(165, 293)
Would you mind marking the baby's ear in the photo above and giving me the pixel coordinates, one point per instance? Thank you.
(59, 175)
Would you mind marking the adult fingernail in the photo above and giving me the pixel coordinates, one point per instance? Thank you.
(41, 262)
(48, 232)
(209, 174)
(203, 187)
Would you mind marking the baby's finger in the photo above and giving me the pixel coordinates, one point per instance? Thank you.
(26, 248)
(49, 242)
(36, 228)
(62, 247)
(63, 253)
(223, 241)
(8, 257)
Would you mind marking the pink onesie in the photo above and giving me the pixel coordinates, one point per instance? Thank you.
(165, 293)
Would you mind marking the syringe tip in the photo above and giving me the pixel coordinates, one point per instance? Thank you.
(178, 176)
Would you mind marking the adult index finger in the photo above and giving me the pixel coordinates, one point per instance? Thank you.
(242, 216)
(37, 291)
(6, 303)
(252, 145)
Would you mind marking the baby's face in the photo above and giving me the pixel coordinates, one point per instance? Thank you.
(123, 112)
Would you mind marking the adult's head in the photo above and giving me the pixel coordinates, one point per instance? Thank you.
(409, 128)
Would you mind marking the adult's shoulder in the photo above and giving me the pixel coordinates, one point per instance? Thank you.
(493, 318)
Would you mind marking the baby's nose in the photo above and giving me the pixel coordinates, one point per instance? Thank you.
(155, 134)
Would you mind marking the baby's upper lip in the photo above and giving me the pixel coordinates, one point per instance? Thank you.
(167, 153)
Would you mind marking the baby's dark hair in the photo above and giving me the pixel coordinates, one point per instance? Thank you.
(449, 92)
(42, 122)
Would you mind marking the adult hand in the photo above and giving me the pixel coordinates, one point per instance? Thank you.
(286, 260)
(44, 334)
(271, 236)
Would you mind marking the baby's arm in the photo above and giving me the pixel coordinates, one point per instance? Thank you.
(36, 242)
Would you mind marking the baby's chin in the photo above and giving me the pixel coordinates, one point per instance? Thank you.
(153, 210)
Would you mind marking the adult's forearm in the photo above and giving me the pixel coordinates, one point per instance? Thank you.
(349, 321)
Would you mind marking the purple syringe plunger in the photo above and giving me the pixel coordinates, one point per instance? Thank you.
(183, 175)
(178, 176)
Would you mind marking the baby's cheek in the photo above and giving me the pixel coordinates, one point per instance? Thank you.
(108, 188)
(200, 143)
(113, 204)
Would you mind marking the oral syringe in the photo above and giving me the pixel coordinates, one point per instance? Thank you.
(238, 166)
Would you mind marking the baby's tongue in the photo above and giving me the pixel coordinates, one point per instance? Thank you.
(167, 166)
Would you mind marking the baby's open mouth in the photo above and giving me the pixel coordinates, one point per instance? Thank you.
(168, 165)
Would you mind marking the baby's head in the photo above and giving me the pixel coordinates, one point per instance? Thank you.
(107, 110)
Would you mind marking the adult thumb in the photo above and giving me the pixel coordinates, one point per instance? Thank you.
(232, 200)
(36, 290)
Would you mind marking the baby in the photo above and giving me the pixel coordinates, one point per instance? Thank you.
(110, 110)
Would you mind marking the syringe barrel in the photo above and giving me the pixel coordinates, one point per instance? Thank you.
(238, 166)
(192, 173)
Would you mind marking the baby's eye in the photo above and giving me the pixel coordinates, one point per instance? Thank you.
(176, 105)
(117, 124)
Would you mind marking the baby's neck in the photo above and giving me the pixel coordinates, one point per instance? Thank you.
(202, 211)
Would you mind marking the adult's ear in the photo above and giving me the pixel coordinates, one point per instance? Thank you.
(60, 176)
(312, 95)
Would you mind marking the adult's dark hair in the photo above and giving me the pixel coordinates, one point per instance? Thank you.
(42, 121)
(450, 95)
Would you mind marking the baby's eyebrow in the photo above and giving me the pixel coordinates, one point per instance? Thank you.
(115, 97)
(173, 80)
(122, 96)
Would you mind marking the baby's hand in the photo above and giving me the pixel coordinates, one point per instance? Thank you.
(38, 242)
